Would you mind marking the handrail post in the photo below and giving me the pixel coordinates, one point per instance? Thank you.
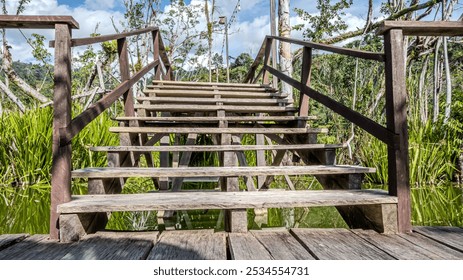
(306, 72)
(268, 48)
(124, 68)
(396, 115)
(156, 54)
(61, 165)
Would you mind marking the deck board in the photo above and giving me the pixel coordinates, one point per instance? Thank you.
(338, 244)
(278, 244)
(190, 245)
(7, 240)
(451, 236)
(282, 245)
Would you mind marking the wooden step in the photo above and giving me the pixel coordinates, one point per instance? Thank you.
(213, 148)
(211, 108)
(217, 130)
(205, 93)
(222, 200)
(199, 100)
(125, 172)
(214, 119)
(188, 83)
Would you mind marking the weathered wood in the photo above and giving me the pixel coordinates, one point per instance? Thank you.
(440, 249)
(202, 84)
(74, 226)
(198, 100)
(190, 245)
(36, 247)
(214, 148)
(204, 93)
(226, 171)
(221, 90)
(423, 28)
(282, 245)
(61, 159)
(82, 120)
(449, 236)
(268, 48)
(7, 240)
(218, 130)
(396, 119)
(217, 119)
(36, 22)
(401, 248)
(184, 162)
(244, 246)
(212, 108)
(384, 134)
(124, 69)
(306, 72)
(334, 49)
(221, 200)
(338, 244)
(113, 246)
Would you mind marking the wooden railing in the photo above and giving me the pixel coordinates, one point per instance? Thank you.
(65, 128)
(395, 134)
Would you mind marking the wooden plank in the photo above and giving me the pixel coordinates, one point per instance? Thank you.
(221, 90)
(449, 236)
(124, 69)
(36, 22)
(7, 240)
(306, 73)
(113, 246)
(245, 246)
(212, 108)
(217, 119)
(218, 130)
(204, 93)
(396, 119)
(400, 247)
(227, 171)
(214, 148)
(190, 245)
(198, 100)
(367, 124)
(334, 49)
(442, 251)
(423, 28)
(209, 84)
(36, 247)
(338, 244)
(282, 245)
(221, 200)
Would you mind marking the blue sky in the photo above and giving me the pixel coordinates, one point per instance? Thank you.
(246, 34)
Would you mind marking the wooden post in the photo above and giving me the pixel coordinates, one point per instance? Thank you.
(268, 48)
(396, 115)
(124, 68)
(61, 165)
(305, 80)
(155, 34)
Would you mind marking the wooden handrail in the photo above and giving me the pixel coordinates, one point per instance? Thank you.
(423, 28)
(36, 22)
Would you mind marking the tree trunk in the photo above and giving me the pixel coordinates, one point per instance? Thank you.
(285, 48)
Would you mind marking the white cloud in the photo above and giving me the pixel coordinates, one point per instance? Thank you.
(99, 4)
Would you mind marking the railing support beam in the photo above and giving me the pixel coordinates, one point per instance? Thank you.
(396, 114)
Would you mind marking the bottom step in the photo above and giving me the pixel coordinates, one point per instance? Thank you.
(222, 200)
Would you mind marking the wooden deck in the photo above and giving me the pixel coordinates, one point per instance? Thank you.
(445, 243)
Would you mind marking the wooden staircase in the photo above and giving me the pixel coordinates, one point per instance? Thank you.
(226, 113)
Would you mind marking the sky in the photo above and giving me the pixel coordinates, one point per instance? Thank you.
(246, 33)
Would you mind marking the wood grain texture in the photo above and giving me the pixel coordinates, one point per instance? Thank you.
(190, 245)
(7, 240)
(423, 28)
(212, 108)
(208, 84)
(400, 246)
(217, 119)
(449, 236)
(212, 148)
(282, 245)
(218, 130)
(36, 247)
(117, 172)
(199, 100)
(338, 244)
(36, 22)
(113, 246)
(221, 200)
(245, 246)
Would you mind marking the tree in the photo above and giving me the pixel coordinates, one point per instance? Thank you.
(284, 27)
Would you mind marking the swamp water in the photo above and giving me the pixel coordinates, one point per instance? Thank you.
(27, 210)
